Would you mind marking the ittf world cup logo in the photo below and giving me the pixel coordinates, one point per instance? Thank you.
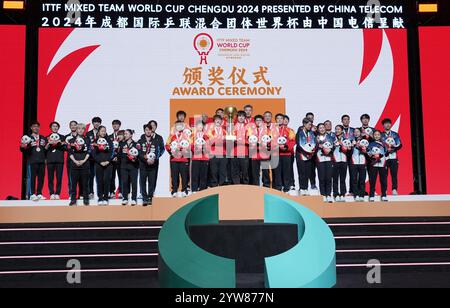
(203, 43)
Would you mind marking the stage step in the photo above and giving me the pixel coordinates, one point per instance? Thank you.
(413, 253)
(123, 254)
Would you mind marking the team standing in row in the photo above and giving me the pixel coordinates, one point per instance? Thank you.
(202, 155)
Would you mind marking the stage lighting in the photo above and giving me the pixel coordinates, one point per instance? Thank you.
(428, 7)
(13, 5)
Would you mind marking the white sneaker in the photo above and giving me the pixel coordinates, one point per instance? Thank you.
(133, 202)
(124, 202)
(174, 195)
(34, 198)
(120, 196)
(184, 195)
(293, 192)
(337, 199)
(329, 199)
(395, 192)
(384, 199)
(343, 199)
(371, 199)
(81, 198)
(52, 197)
(91, 196)
(41, 197)
(57, 197)
(112, 196)
(325, 199)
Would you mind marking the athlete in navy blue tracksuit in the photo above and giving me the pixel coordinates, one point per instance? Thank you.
(358, 166)
(79, 150)
(129, 164)
(393, 144)
(33, 147)
(103, 153)
(67, 139)
(377, 152)
(55, 149)
(92, 136)
(151, 149)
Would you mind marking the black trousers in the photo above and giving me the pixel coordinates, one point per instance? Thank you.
(177, 170)
(304, 168)
(312, 176)
(277, 174)
(199, 175)
(103, 177)
(37, 176)
(292, 169)
(130, 179)
(80, 179)
(283, 175)
(392, 165)
(325, 171)
(373, 175)
(218, 168)
(52, 170)
(358, 175)
(351, 175)
(260, 167)
(69, 177)
(239, 170)
(116, 173)
(148, 178)
(339, 177)
(91, 176)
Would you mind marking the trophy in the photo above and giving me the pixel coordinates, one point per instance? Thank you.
(230, 112)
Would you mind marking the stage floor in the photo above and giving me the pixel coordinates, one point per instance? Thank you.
(235, 203)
